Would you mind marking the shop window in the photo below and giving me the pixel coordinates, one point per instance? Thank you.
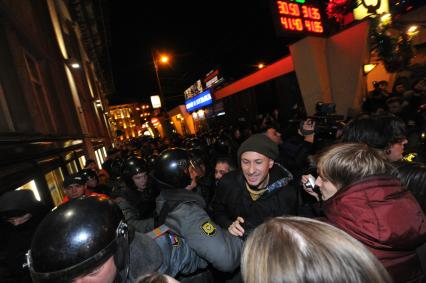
(82, 161)
(101, 155)
(54, 181)
(99, 161)
(31, 185)
(104, 152)
(72, 167)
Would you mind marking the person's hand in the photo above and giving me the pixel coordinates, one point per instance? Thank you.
(309, 189)
(118, 199)
(235, 228)
(191, 186)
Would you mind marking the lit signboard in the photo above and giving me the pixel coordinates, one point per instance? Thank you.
(213, 78)
(297, 17)
(155, 101)
(199, 101)
(193, 90)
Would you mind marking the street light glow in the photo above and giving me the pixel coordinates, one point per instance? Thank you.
(164, 59)
(260, 66)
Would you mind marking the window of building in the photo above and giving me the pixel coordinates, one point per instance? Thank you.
(39, 90)
(31, 185)
(99, 158)
(82, 161)
(72, 167)
(54, 181)
(6, 122)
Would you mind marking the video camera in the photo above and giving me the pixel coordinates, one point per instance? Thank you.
(326, 121)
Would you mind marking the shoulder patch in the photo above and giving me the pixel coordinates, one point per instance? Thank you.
(208, 228)
(174, 240)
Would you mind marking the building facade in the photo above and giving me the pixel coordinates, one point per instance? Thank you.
(54, 84)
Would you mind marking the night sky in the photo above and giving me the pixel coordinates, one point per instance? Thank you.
(233, 36)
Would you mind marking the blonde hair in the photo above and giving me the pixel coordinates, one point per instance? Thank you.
(297, 249)
(345, 163)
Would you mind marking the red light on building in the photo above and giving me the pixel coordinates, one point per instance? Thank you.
(297, 18)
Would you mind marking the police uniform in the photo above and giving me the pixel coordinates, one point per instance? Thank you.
(183, 213)
(161, 251)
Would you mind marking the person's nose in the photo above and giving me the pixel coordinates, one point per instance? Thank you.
(252, 168)
(318, 182)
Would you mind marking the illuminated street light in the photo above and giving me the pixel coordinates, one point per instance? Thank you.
(260, 66)
(163, 59)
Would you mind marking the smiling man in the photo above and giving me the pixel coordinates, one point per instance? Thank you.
(245, 198)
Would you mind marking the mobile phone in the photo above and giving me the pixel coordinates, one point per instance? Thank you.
(310, 183)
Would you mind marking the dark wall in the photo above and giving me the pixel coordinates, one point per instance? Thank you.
(282, 93)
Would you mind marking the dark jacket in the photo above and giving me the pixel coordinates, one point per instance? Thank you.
(232, 199)
(294, 152)
(16, 240)
(386, 218)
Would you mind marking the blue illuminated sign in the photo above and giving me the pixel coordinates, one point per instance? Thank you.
(199, 101)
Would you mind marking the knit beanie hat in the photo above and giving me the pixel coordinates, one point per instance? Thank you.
(259, 143)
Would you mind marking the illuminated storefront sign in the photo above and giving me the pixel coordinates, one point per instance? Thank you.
(199, 101)
(193, 90)
(213, 78)
(297, 17)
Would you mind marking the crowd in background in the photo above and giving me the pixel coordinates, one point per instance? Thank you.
(364, 178)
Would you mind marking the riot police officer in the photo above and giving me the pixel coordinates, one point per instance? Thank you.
(136, 195)
(86, 240)
(183, 212)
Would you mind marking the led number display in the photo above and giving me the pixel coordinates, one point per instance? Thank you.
(300, 16)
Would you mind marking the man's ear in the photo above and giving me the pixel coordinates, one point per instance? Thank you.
(271, 163)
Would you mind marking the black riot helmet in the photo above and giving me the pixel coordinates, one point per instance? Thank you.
(88, 173)
(77, 237)
(135, 165)
(171, 168)
(117, 167)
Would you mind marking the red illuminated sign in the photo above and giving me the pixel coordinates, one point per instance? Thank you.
(296, 16)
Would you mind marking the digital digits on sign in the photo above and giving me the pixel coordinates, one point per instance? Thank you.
(299, 17)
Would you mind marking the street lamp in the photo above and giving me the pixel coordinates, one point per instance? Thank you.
(163, 59)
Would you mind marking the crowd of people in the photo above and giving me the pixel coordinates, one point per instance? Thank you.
(241, 204)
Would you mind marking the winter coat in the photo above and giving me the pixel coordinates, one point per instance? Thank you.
(386, 218)
(232, 199)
